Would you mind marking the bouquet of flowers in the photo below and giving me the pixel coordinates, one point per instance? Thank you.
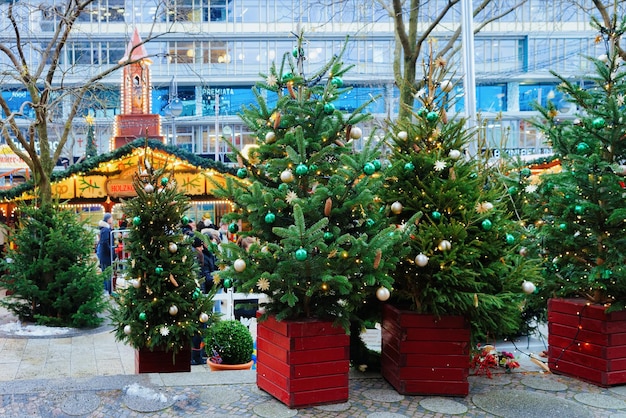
(487, 358)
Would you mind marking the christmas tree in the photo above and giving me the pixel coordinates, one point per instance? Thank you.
(321, 242)
(163, 308)
(581, 208)
(50, 271)
(464, 256)
(91, 150)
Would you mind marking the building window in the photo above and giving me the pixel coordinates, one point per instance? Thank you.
(181, 52)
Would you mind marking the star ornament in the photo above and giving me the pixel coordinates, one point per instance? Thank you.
(217, 279)
(291, 197)
(164, 331)
(531, 188)
(271, 80)
(263, 284)
(620, 100)
(440, 165)
(483, 207)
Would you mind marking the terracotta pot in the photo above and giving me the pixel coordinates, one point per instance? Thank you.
(219, 366)
(424, 354)
(586, 343)
(303, 363)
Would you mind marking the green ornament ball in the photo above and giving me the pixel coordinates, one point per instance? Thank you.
(337, 82)
(184, 220)
(436, 215)
(328, 236)
(409, 167)
(143, 316)
(301, 254)
(370, 222)
(242, 173)
(164, 181)
(486, 225)
(295, 52)
(513, 190)
(301, 169)
(287, 77)
(228, 283)
(562, 226)
(158, 270)
(329, 108)
(606, 274)
(473, 176)
(510, 239)
(196, 294)
(432, 116)
(369, 169)
(270, 218)
(578, 210)
(136, 221)
(377, 164)
(582, 148)
(598, 123)
(422, 112)
(525, 172)
(313, 167)
(283, 187)
(233, 228)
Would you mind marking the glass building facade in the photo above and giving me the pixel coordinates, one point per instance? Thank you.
(216, 49)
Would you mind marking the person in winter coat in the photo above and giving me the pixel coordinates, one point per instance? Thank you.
(105, 247)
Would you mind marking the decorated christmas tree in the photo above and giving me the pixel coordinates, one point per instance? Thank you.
(581, 207)
(465, 254)
(163, 308)
(91, 150)
(321, 243)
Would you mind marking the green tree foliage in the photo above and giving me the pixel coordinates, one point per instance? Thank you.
(52, 273)
(231, 341)
(164, 306)
(581, 208)
(308, 198)
(91, 150)
(464, 254)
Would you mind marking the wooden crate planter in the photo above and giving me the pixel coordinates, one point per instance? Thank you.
(586, 343)
(303, 363)
(160, 361)
(424, 354)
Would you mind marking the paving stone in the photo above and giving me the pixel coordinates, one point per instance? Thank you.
(386, 415)
(80, 403)
(383, 395)
(619, 390)
(443, 406)
(335, 408)
(541, 383)
(600, 401)
(274, 409)
(218, 395)
(496, 379)
(522, 404)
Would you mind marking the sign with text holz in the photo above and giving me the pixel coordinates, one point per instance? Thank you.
(120, 187)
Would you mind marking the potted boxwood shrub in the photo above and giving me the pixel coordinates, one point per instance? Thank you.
(229, 345)
(463, 274)
(321, 242)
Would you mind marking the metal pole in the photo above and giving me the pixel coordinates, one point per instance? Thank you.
(467, 27)
(217, 127)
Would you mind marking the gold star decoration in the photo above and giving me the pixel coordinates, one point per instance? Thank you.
(483, 207)
(217, 279)
(263, 284)
(271, 80)
(291, 197)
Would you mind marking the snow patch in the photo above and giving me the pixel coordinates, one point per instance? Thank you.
(144, 393)
(17, 328)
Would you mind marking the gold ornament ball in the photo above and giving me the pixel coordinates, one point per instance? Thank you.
(444, 245)
(356, 133)
(270, 137)
(173, 310)
(446, 86)
(402, 135)
(204, 317)
(528, 287)
(239, 265)
(148, 188)
(172, 247)
(286, 176)
(421, 260)
(396, 208)
(382, 293)
(127, 330)
(135, 283)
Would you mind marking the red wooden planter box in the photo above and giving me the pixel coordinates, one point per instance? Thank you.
(303, 363)
(586, 343)
(424, 354)
(160, 361)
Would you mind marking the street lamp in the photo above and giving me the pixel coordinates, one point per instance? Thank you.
(175, 107)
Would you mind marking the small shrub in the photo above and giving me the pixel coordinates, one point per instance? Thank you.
(231, 341)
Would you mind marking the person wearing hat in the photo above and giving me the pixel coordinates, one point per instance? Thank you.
(104, 249)
(206, 222)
